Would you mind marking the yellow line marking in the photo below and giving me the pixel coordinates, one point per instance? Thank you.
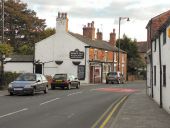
(103, 115)
(111, 113)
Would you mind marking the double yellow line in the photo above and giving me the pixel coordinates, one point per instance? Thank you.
(115, 107)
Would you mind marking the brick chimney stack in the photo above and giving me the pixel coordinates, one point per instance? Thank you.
(99, 35)
(89, 31)
(112, 40)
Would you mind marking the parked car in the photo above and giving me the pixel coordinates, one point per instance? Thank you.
(28, 83)
(65, 81)
(115, 77)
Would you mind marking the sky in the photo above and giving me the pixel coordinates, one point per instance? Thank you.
(104, 13)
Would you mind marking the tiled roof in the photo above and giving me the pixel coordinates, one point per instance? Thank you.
(21, 58)
(95, 43)
(163, 27)
(156, 22)
(142, 46)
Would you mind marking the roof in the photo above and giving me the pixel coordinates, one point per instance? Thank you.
(163, 27)
(157, 17)
(142, 46)
(21, 58)
(95, 43)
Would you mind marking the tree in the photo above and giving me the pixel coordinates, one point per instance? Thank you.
(134, 61)
(5, 49)
(22, 26)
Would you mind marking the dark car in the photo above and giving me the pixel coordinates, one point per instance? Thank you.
(65, 81)
(115, 77)
(28, 83)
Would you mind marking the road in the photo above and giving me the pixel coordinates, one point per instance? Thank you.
(76, 108)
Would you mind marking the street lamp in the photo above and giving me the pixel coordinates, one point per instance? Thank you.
(2, 56)
(120, 18)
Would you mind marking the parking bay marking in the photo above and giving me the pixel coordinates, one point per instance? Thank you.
(12, 113)
(49, 101)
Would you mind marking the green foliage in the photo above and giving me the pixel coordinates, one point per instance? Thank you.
(47, 32)
(134, 60)
(22, 26)
(25, 50)
(9, 77)
(5, 49)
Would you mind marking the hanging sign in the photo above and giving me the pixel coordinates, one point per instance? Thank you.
(76, 54)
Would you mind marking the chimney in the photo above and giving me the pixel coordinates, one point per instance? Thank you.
(99, 35)
(62, 22)
(89, 31)
(112, 40)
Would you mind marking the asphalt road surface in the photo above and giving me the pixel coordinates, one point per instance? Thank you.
(75, 108)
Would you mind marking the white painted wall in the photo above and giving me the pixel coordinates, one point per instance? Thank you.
(148, 80)
(165, 52)
(58, 47)
(156, 88)
(18, 67)
(166, 61)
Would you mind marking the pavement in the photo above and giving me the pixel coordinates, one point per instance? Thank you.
(140, 111)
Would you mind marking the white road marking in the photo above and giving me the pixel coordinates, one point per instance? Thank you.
(12, 113)
(49, 101)
(93, 89)
(71, 115)
(74, 93)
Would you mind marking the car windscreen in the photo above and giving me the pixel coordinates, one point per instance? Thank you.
(112, 74)
(60, 76)
(26, 77)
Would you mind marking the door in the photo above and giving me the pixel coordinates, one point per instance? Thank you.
(38, 68)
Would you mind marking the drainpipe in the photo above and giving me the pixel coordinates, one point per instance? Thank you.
(160, 64)
(151, 63)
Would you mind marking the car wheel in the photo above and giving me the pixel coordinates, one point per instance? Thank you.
(78, 86)
(46, 90)
(69, 86)
(33, 92)
(11, 94)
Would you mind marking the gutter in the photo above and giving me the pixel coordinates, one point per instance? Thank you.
(151, 62)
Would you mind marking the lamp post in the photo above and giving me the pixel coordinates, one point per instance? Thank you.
(2, 57)
(120, 18)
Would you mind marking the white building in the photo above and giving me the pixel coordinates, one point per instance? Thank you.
(66, 52)
(19, 64)
(160, 67)
(84, 56)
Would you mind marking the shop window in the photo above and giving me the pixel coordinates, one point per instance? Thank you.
(164, 75)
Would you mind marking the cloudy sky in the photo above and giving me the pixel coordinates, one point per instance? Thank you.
(105, 14)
